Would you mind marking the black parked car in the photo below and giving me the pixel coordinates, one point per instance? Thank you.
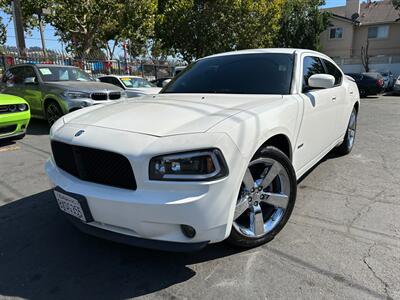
(368, 83)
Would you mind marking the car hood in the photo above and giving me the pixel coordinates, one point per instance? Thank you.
(168, 114)
(84, 86)
(6, 99)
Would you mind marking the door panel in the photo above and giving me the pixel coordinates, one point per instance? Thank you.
(13, 82)
(341, 98)
(317, 130)
(32, 93)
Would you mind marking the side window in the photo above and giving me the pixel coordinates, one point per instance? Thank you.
(334, 71)
(311, 65)
(116, 82)
(27, 72)
(7, 77)
(104, 79)
(14, 76)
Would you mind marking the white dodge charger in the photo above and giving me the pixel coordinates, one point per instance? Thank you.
(216, 155)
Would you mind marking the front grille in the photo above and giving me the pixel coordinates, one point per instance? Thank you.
(94, 165)
(99, 96)
(114, 95)
(3, 109)
(8, 129)
(8, 108)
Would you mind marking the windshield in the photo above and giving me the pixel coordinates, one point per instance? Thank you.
(261, 73)
(134, 82)
(52, 73)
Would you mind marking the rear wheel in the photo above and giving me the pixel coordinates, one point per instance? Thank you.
(349, 138)
(363, 93)
(266, 199)
(53, 112)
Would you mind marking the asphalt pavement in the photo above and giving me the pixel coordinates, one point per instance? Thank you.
(342, 241)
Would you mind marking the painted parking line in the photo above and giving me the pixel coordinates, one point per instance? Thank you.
(9, 148)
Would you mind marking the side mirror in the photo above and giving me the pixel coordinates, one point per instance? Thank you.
(165, 82)
(321, 81)
(30, 80)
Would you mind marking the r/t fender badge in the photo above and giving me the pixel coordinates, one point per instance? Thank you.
(79, 133)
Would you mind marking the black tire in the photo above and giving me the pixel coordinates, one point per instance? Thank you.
(363, 93)
(236, 237)
(53, 112)
(349, 138)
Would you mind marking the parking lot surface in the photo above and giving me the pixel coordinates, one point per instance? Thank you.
(342, 241)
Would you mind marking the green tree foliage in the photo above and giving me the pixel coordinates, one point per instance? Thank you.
(301, 24)
(89, 24)
(131, 20)
(30, 10)
(196, 28)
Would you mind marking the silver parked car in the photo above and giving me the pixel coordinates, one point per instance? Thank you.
(134, 86)
(388, 79)
(396, 87)
(55, 90)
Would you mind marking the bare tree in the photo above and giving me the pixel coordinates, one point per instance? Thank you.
(365, 56)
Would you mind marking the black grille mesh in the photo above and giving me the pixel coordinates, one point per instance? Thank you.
(114, 95)
(99, 96)
(94, 165)
(8, 129)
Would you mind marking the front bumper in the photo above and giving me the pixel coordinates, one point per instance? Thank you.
(20, 120)
(70, 105)
(157, 209)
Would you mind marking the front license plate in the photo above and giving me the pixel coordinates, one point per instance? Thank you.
(70, 205)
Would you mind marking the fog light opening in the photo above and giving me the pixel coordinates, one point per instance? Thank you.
(23, 127)
(188, 231)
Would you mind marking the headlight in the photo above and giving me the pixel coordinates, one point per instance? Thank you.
(22, 107)
(12, 108)
(189, 166)
(75, 95)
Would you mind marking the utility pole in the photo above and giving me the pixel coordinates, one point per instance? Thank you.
(42, 34)
(42, 12)
(19, 27)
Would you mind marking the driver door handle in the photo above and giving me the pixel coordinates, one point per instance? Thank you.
(333, 98)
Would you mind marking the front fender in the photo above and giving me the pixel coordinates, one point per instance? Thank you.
(250, 129)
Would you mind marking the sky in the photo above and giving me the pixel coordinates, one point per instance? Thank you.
(52, 40)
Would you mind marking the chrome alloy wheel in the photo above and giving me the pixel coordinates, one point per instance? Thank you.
(263, 198)
(351, 130)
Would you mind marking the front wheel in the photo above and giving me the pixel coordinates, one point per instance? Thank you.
(266, 199)
(53, 112)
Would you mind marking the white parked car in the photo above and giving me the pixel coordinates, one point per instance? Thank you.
(134, 86)
(215, 156)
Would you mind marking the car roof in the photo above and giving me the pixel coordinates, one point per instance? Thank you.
(41, 65)
(268, 50)
(121, 76)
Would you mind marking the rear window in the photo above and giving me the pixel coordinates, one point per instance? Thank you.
(261, 73)
(373, 75)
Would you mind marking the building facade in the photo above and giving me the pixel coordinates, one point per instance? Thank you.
(352, 25)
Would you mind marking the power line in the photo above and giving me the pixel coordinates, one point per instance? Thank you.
(36, 39)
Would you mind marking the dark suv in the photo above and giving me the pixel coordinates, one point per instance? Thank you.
(55, 90)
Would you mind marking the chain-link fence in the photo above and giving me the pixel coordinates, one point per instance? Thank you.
(94, 66)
